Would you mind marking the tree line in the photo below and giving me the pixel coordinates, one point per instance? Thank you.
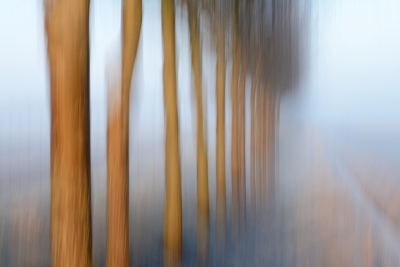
(261, 41)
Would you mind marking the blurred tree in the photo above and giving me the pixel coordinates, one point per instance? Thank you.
(67, 28)
(218, 13)
(220, 95)
(243, 34)
(173, 194)
(252, 145)
(235, 119)
(118, 141)
(242, 147)
(261, 143)
(203, 209)
(254, 105)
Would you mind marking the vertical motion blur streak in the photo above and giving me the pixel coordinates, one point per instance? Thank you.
(199, 133)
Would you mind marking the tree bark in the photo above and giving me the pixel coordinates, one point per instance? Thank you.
(67, 28)
(235, 139)
(266, 145)
(252, 146)
(203, 209)
(262, 146)
(118, 141)
(220, 96)
(271, 145)
(277, 125)
(242, 148)
(173, 194)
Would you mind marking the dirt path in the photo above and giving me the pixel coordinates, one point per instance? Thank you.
(328, 219)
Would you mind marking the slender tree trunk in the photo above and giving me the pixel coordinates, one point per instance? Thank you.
(264, 148)
(67, 27)
(173, 194)
(203, 209)
(277, 122)
(258, 143)
(271, 146)
(261, 146)
(220, 96)
(255, 135)
(118, 142)
(252, 146)
(235, 140)
(242, 148)
(266, 145)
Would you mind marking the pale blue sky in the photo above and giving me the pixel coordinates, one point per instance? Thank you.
(354, 73)
(355, 66)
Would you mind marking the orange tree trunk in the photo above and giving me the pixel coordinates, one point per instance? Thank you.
(242, 148)
(262, 145)
(67, 27)
(271, 142)
(235, 140)
(173, 194)
(266, 146)
(220, 96)
(277, 123)
(258, 144)
(252, 146)
(203, 209)
(118, 142)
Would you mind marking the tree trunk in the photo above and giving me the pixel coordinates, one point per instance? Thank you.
(277, 123)
(203, 209)
(118, 142)
(242, 148)
(252, 146)
(67, 27)
(266, 146)
(271, 146)
(235, 140)
(173, 194)
(220, 96)
(259, 125)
